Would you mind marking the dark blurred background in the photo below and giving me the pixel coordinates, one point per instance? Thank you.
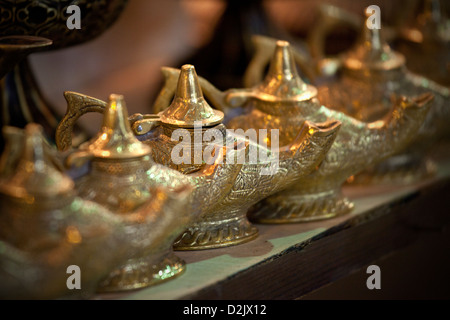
(214, 35)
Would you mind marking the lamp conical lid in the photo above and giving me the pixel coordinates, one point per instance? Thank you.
(116, 139)
(35, 176)
(372, 52)
(282, 83)
(189, 106)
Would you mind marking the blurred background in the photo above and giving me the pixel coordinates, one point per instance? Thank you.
(214, 35)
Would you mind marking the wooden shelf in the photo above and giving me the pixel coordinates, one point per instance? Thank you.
(290, 261)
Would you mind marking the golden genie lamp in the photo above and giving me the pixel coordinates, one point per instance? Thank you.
(284, 102)
(369, 76)
(123, 177)
(190, 118)
(45, 228)
(227, 223)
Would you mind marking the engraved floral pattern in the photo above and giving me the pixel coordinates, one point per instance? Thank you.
(47, 18)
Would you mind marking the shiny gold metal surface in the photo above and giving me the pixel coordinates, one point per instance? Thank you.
(123, 178)
(283, 101)
(148, 235)
(370, 75)
(263, 49)
(171, 79)
(45, 228)
(238, 184)
(227, 223)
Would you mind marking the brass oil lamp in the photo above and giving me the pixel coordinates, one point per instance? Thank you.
(123, 178)
(226, 223)
(298, 158)
(369, 76)
(283, 101)
(45, 227)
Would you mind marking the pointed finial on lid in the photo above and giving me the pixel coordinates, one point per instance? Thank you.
(189, 106)
(282, 82)
(282, 65)
(35, 177)
(372, 52)
(116, 139)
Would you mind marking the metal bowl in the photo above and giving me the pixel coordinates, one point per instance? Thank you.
(48, 19)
